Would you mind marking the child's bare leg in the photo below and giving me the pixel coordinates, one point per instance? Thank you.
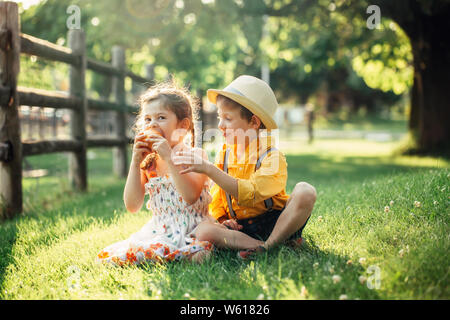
(294, 216)
(223, 237)
(200, 256)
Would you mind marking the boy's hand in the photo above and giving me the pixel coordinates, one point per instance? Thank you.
(232, 224)
(192, 161)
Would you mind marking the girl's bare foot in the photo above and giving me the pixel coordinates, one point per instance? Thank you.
(200, 256)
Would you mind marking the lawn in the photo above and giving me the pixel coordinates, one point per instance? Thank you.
(379, 230)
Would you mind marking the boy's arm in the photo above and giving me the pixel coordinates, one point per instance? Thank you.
(264, 183)
(200, 164)
(224, 180)
(269, 180)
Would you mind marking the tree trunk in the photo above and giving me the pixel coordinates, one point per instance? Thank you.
(427, 24)
(432, 92)
(430, 95)
(432, 73)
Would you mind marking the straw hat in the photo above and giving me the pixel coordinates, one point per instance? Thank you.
(252, 93)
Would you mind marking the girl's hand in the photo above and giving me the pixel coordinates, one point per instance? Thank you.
(141, 149)
(192, 161)
(232, 224)
(161, 146)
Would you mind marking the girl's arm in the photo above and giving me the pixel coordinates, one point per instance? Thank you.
(196, 164)
(134, 192)
(188, 185)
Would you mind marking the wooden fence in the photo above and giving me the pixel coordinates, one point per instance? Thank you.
(12, 149)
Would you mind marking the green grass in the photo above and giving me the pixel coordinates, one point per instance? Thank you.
(49, 252)
(397, 124)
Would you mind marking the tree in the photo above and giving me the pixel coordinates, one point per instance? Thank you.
(312, 43)
(427, 23)
(317, 53)
(196, 40)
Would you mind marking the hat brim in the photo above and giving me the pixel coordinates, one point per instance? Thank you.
(247, 103)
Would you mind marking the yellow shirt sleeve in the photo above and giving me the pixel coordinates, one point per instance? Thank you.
(216, 207)
(269, 180)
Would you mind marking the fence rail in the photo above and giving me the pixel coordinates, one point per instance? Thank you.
(45, 98)
(49, 146)
(12, 149)
(44, 49)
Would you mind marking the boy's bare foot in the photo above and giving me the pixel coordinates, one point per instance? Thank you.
(251, 254)
(295, 243)
(200, 256)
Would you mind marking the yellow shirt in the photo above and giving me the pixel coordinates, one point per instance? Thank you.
(269, 181)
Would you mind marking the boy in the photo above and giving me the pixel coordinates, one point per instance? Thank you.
(250, 208)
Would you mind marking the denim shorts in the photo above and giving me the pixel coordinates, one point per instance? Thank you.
(260, 227)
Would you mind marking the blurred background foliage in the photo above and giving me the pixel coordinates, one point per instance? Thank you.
(206, 43)
(319, 52)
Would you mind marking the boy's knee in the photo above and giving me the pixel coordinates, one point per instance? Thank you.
(304, 194)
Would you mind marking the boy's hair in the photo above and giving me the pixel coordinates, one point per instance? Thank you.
(244, 112)
(175, 98)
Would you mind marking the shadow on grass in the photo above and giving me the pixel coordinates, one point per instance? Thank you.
(279, 274)
(7, 240)
(52, 204)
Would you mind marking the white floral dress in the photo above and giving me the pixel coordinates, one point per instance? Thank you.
(169, 235)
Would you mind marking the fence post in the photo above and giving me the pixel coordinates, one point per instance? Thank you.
(11, 202)
(78, 160)
(120, 163)
(201, 120)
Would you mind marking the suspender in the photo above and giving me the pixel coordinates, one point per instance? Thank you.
(225, 168)
(267, 202)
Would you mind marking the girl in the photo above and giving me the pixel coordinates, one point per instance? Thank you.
(178, 202)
